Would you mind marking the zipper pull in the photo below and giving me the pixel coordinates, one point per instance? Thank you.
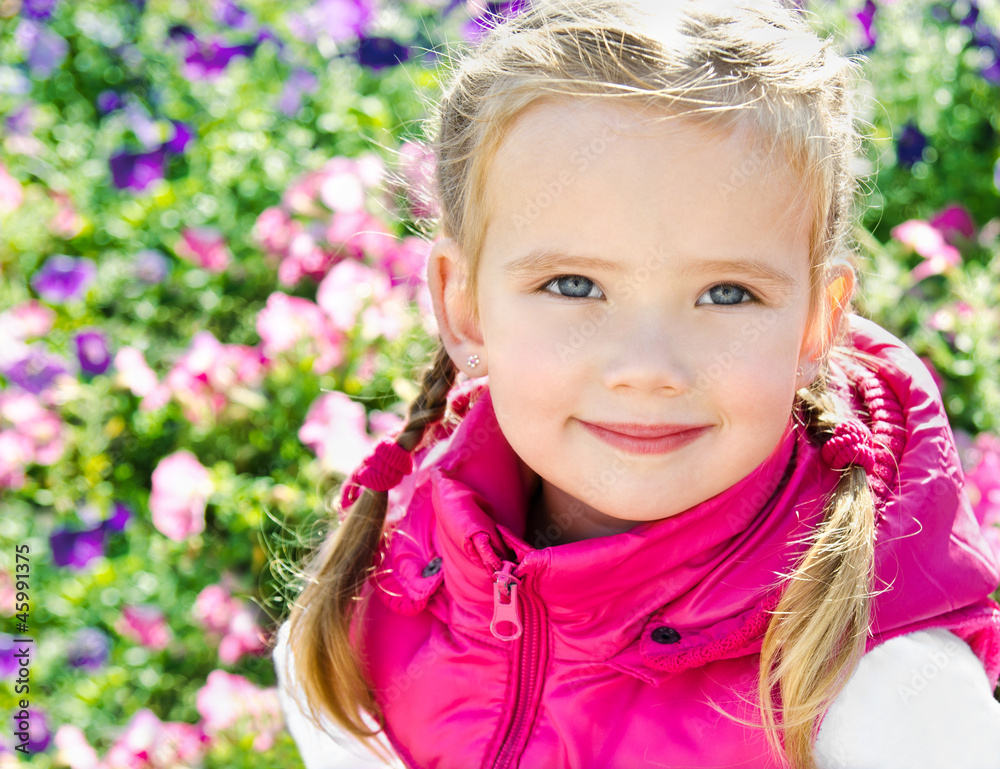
(505, 585)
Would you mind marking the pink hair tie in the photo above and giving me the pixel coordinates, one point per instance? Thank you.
(382, 470)
(852, 444)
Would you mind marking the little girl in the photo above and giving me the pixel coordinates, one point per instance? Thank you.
(686, 510)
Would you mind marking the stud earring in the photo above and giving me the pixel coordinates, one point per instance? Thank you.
(473, 361)
(799, 372)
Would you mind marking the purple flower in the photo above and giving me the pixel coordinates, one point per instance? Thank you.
(493, 14)
(339, 20)
(9, 664)
(39, 735)
(88, 649)
(181, 139)
(866, 17)
(21, 121)
(46, 50)
(76, 548)
(118, 519)
(92, 351)
(151, 266)
(38, 9)
(230, 14)
(299, 83)
(996, 175)
(64, 278)
(36, 371)
(970, 19)
(380, 52)
(991, 74)
(180, 32)
(910, 145)
(136, 171)
(208, 60)
(109, 101)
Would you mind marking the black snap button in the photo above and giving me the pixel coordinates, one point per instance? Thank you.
(432, 568)
(666, 635)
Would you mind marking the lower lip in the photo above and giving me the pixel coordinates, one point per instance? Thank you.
(664, 444)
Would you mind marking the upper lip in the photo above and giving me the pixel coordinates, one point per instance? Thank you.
(640, 430)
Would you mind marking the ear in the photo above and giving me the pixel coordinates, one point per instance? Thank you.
(448, 283)
(835, 303)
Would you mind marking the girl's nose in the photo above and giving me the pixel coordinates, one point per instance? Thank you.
(649, 356)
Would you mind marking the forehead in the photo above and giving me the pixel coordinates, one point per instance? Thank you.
(596, 171)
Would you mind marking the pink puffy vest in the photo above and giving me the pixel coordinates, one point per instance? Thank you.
(642, 648)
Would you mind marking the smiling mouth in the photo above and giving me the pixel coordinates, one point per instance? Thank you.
(646, 439)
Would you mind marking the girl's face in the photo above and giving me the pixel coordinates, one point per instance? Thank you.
(643, 304)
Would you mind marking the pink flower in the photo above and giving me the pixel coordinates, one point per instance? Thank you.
(334, 429)
(7, 594)
(38, 430)
(406, 263)
(11, 194)
(289, 323)
(946, 318)
(73, 749)
(929, 243)
(301, 196)
(145, 625)
(305, 257)
(242, 636)
(346, 290)
(28, 320)
(386, 318)
(982, 483)
(209, 376)
(384, 423)
(341, 188)
(66, 222)
(136, 375)
(21, 323)
(148, 743)
(15, 456)
(214, 608)
(181, 487)
(274, 230)
(419, 164)
(229, 702)
(205, 247)
(954, 222)
(360, 235)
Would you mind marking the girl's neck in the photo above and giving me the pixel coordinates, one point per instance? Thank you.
(575, 521)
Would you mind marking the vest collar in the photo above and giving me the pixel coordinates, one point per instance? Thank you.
(600, 593)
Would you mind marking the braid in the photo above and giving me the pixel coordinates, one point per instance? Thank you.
(328, 668)
(820, 625)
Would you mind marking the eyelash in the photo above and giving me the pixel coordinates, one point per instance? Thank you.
(752, 297)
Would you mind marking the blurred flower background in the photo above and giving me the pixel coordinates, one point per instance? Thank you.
(213, 227)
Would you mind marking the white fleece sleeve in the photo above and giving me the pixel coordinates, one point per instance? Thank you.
(919, 701)
(327, 748)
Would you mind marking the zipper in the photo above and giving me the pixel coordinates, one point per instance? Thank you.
(505, 609)
(522, 612)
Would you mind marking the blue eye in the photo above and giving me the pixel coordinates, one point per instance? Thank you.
(727, 294)
(575, 286)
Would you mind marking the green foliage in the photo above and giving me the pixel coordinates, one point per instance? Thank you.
(267, 487)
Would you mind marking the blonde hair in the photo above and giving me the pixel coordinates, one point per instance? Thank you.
(725, 64)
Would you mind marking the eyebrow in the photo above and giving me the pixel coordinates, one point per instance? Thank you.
(546, 260)
(753, 268)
